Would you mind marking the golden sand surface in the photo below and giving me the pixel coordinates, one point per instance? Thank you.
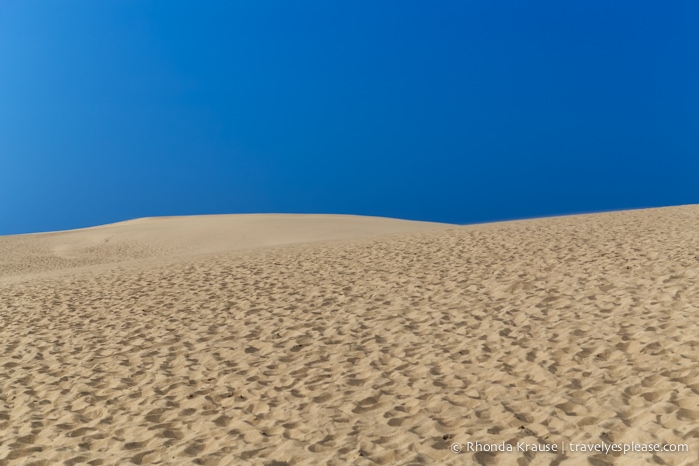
(299, 340)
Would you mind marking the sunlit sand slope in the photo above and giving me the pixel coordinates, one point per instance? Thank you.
(158, 237)
(369, 350)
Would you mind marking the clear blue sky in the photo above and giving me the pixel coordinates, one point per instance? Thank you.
(455, 111)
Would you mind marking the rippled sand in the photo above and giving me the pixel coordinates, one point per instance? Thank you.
(279, 340)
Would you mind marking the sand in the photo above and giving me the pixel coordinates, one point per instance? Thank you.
(282, 339)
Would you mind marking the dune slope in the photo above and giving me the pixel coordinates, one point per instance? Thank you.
(169, 237)
(365, 350)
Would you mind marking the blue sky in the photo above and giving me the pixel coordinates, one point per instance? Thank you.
(453, 111)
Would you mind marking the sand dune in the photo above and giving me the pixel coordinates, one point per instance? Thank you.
(169, 237)
(178, 342)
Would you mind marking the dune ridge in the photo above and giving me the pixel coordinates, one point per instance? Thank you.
(366, 349)
(170, 237)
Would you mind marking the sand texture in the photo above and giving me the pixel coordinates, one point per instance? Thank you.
(298, 340)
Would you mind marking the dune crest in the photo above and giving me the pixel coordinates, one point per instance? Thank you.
(157, 237)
